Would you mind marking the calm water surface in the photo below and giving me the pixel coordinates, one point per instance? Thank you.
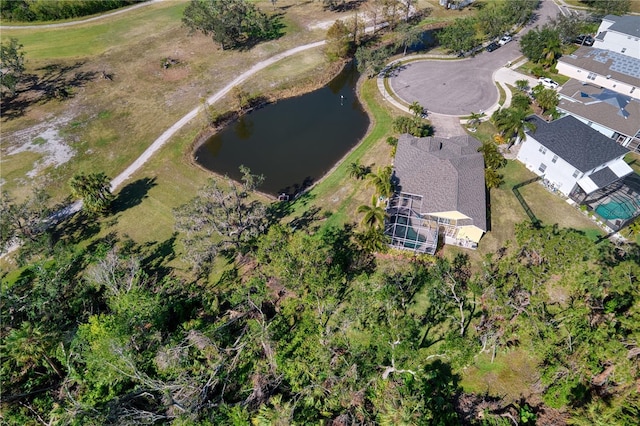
(293, 142)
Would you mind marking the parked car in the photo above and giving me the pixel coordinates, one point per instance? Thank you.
(585, 40)
(548, 83)
(492, 46)
(505, 39)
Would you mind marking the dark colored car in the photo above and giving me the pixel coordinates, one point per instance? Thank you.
(585, 40)
(492, 46)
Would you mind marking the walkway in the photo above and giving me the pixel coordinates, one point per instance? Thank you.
(82, 21)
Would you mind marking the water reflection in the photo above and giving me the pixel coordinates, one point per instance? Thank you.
(292, 142)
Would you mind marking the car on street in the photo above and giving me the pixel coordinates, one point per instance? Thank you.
(584, 40)
(492, 46)
(548, 83)
(505, 39)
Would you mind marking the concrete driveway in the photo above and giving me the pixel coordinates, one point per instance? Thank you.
(458, 87)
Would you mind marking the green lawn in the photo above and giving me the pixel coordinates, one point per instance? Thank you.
(94, 38)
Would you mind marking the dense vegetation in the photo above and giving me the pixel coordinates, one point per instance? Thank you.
(492, 21)
(51, 10)
(308, 325)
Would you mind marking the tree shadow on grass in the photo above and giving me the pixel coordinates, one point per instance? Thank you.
(157, 255)
(76, 228)
(57, 82)
(132, 194)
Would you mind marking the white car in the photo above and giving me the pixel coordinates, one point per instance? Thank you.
(548, 83)
(504, 40)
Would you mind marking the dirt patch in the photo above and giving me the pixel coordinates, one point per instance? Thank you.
(45, 139)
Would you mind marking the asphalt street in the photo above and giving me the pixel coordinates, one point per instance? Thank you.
(459, 87)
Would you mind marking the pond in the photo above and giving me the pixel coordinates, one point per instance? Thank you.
(293, 142)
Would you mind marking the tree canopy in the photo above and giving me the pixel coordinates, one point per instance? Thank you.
(230, 23)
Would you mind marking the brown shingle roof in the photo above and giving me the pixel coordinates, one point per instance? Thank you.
(447, 172)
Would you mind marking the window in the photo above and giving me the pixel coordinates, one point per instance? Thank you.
(576, 173)
(592, 76)
(554, 159)
(542, 167)
(542, 149)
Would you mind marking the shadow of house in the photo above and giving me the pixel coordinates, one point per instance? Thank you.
(440, 191)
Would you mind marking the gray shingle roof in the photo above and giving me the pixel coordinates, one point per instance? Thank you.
(603, 177)
(575, 142)
(447, 172)
(626, 24)
(605, 63)
(582, 100)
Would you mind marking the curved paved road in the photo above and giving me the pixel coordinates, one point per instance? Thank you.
(459, 87)
(82, 21)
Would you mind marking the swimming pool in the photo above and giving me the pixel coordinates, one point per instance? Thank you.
(616, 210)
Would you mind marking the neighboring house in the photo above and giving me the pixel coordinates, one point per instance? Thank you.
(615, 115)
(572, 156)
(440, 192)
(620, 34)
(603, 68)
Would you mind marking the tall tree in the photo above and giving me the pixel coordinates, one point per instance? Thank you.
(11, 66)
(94, 189)
(23, 220)
(338, 41)
(381, 181)
(609, 7)
(460, 36)
(512, 123)
(231, 23)
(374, 215)
(221, 218)
(407, 36)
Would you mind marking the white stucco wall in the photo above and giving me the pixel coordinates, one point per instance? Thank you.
(599, 80)
(620, 43)
(559, 173)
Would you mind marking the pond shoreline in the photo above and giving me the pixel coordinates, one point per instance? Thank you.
(317, 82)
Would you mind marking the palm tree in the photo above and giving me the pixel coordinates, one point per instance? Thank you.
(374, 215)
(357, 170)
(28, 345)
(417, 109)
(94, 189)
(512, 123)
(551, 51)
(474, 119)
(382, 181)
(372, 240)
(492, 179)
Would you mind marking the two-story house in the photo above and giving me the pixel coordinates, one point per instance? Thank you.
(570, 154)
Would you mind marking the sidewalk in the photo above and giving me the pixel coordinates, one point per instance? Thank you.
(506, 75)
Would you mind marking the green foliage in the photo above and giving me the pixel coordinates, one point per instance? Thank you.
(371, 60)
(221, 219)
(46, 10)
(338, 45)
(547, 98)
(230, 23)
(11, 66)
(412, 125)
(94, 189)
(542, 45)
(460, 36)
(609, 7)
(512, 123)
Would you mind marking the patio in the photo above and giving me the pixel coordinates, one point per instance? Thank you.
(405, 226)
(617, 204)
